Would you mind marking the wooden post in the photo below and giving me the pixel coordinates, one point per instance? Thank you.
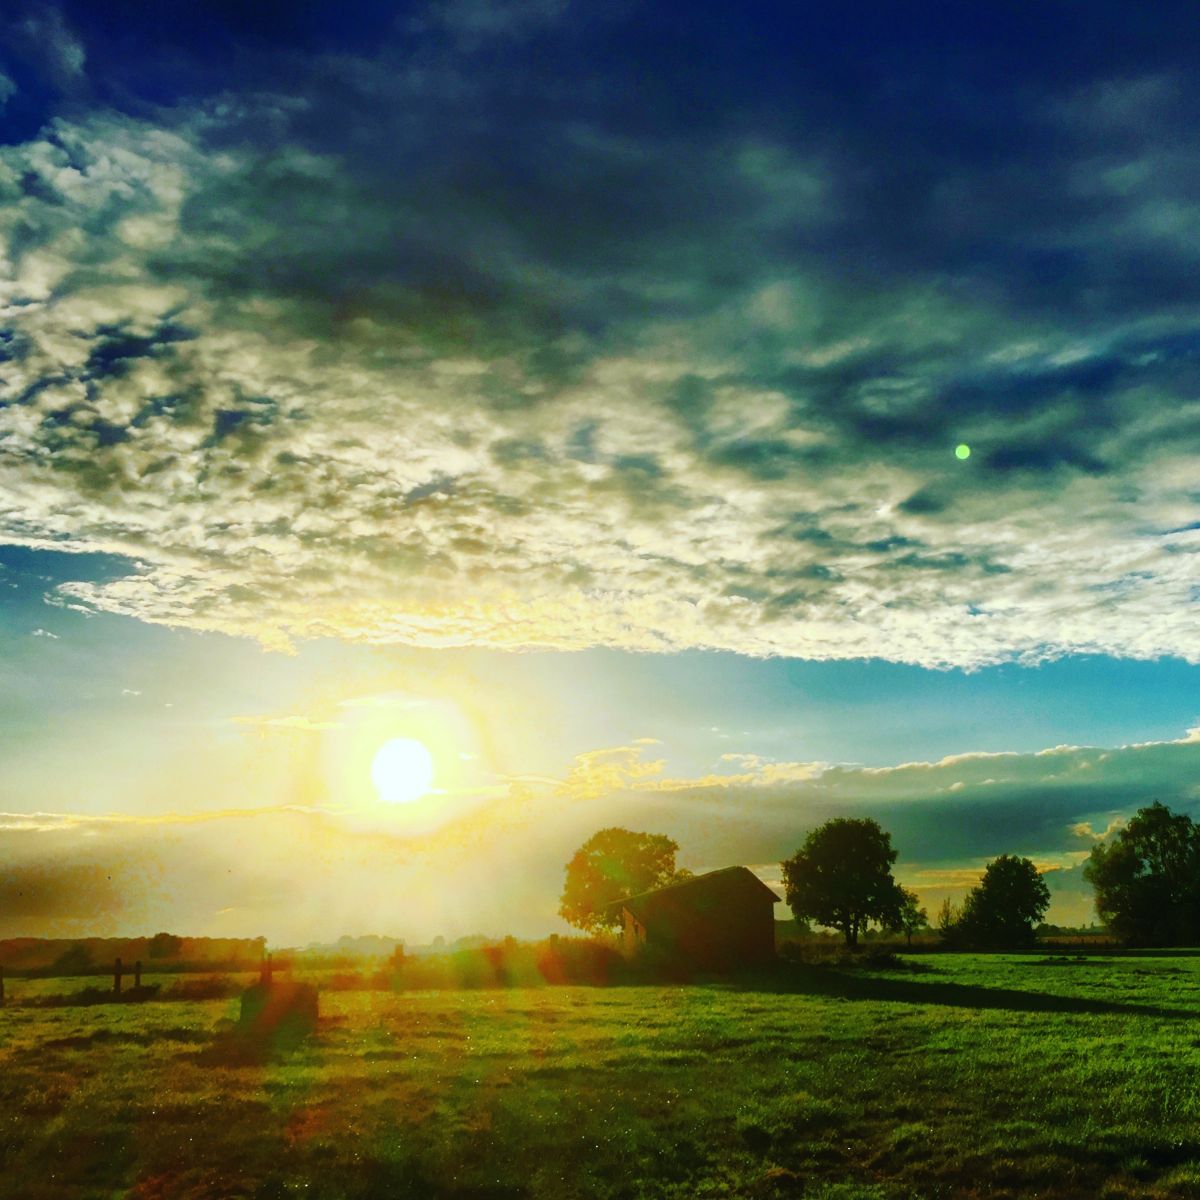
(117, 978)
(137, 973)
(264, 974)
(1, 987)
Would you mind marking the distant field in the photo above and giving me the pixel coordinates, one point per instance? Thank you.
(977, 1076)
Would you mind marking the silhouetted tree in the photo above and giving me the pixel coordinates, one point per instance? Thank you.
(911, 916)
(1007, 904)
(610, 865)
(842, 878)
(75, 960)
(1147, 878)
(165, 945)
(947, 916)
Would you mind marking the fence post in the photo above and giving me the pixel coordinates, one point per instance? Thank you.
(137, 973)
(1, 987)
(117, 978)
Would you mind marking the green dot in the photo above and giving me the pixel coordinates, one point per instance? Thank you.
(962, 450)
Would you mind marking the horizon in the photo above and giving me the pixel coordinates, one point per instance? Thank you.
(432, 433)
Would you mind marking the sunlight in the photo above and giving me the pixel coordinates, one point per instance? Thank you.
(402, 771)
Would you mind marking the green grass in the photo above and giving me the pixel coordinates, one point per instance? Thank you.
(985, 1076)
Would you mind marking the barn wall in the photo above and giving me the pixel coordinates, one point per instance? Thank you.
(717, 930)
(633, 934)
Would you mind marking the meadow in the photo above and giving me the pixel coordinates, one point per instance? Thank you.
(962, 1075)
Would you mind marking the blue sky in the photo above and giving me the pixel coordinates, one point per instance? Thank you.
(579, 389)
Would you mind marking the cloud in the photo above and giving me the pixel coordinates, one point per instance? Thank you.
(44, 633)
(598, 773)
(947, 818)
(495, 860)
(296, 721)
(1086, 831)
(53, 894)
(45, 38)
(384, 346)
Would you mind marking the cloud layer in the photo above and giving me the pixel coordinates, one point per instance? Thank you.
(493, 861)
(515, 329)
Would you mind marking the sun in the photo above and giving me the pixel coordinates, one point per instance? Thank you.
(402, 771)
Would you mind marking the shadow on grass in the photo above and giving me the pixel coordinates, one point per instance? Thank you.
(387, 1181)
(85, 1041)
(93, 995)
(1132, 951)
(797, 979)
(1141, 1154)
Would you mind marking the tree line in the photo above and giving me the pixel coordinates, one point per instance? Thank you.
(1146, 877)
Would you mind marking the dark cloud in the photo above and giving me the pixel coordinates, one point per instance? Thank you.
(1044, 455)
(971, 807)
(946, 818)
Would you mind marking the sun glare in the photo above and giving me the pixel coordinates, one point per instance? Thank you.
(402, 771)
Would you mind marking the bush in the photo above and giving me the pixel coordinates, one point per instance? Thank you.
(877, 958)
(74, 961)
(513, 964)
(212, 987)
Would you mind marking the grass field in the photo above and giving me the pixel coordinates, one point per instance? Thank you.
(983, 1076)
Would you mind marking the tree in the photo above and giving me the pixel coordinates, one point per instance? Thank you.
(1147, 878)
(911, 915)
(610, 865)
(947, 918)
(165, 945)
(1008, 902)
(842, 878)
(74, 960)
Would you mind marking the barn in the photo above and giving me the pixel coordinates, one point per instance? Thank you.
(717, 920)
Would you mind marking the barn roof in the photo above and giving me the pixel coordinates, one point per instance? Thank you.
(724, 881)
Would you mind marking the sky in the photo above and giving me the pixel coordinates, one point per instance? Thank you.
(703, 419)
